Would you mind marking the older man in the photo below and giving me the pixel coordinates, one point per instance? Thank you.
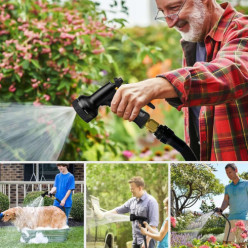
(212, 85)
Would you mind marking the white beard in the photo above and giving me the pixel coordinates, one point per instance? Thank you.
(196, 21)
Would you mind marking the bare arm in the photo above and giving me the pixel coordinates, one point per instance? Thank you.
(225, 202)
(158, 235)
(65, 197)
(53, 190)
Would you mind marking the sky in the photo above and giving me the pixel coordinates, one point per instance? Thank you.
(139, 11)
(221, 174)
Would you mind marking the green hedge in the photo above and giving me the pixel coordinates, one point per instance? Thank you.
(77, 210)
(213, 230)
(4, 202)
(30, 197)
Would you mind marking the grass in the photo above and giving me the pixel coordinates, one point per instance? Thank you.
(10, 238)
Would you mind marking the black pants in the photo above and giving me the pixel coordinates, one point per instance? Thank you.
(136, 246)
(152, 244)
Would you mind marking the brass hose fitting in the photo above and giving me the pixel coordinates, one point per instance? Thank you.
(152, 125)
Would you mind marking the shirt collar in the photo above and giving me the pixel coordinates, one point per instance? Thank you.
(221, 26)
(240, 181)
(142, 198)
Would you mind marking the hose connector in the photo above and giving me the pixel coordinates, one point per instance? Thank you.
(152, 125)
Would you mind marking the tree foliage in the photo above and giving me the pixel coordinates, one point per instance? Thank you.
(109, 182)
(191, 182)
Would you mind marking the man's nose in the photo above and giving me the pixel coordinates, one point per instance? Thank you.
(171, 22)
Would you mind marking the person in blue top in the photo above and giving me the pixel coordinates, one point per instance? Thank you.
(236, 197)
(162, 235)
(63, 186)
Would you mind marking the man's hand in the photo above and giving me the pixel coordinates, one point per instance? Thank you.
(143, 230)
(62, 203)
(130, 98)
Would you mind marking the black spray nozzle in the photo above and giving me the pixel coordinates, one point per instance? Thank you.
(87, 106)
(140, 219)
(46, 193)
(218, 210)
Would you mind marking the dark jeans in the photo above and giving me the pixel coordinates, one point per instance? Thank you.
(152, 244)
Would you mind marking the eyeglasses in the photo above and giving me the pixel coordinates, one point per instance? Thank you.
(172, 17)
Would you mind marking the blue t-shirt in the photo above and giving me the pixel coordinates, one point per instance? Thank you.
(238, 200)
(63, 183)
(164, 242)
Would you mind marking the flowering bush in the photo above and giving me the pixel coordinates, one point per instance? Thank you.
(240, 231)
(50, 52)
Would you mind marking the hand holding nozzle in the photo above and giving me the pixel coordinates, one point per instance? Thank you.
(218, 211)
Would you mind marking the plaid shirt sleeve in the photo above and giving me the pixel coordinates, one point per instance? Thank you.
(221, 80)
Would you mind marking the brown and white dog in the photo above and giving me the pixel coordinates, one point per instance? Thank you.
(34, 217)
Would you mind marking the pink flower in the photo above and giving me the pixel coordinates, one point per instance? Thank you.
(127, 154)
(204, 246)
(240, 223)
(212, 239)
(243, 235)
(97, 51)
(236, 245)
(173, 221)
(12, 88)
(35, 85)
(61, 50)
(47, 97)
(233, 229)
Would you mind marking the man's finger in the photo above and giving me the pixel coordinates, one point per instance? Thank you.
(115, 101)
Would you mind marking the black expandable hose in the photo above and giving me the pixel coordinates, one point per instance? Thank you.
(167, 136)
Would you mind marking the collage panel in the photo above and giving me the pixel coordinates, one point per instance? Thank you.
(42, 203)
(126, 205)
(209, 204)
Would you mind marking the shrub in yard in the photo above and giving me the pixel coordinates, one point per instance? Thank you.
(77, 210)
(30, 197)
(4, 202)
(213, 230)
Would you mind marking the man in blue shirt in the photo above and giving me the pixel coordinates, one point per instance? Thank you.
(63, 186)
(141, 204)
(236, 197)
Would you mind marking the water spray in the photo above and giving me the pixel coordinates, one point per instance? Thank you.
(140, 219)
(220, 211)
(87, 108)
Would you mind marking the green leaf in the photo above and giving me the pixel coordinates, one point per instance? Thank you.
(35, 63)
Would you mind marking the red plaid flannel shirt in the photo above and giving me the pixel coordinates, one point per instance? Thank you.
(220, 87)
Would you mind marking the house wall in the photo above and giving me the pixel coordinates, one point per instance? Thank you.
(15, 172)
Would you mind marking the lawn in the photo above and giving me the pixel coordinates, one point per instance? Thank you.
(10, 238)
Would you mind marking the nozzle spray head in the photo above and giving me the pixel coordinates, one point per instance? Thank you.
(44, 194)
(140, 219)
(218, 210)
(1, 215)
(87, 106)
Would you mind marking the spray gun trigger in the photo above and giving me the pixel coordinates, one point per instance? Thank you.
(151, 105)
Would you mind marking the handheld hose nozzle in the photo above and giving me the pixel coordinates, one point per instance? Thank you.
(87, 106)
(46, 193)
(140, 219)
(218, 210)
(1, 215)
